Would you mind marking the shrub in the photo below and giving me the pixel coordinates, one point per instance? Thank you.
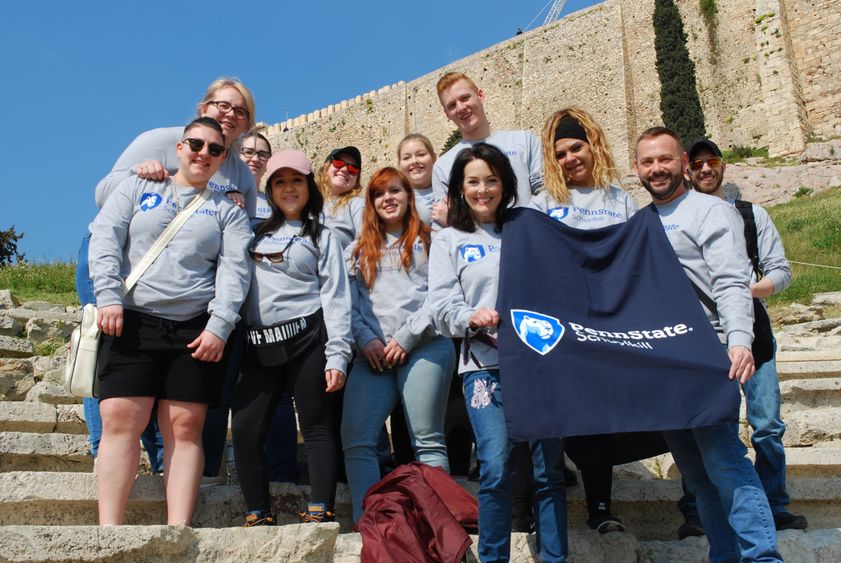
(679, 102)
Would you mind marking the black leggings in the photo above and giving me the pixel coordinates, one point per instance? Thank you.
(257, 394)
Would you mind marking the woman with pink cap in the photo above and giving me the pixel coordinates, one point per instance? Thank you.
(298, 327)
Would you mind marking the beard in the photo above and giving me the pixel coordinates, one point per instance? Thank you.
(674, 184)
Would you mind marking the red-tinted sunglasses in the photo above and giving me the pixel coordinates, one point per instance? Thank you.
(714, 162)
(338, 164)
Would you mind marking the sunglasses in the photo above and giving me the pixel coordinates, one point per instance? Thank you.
(248, 152)
(713, 162)
(196, 145)
(273, 257)
(338, 164)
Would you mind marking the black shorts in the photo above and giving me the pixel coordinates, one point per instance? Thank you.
(151, 359)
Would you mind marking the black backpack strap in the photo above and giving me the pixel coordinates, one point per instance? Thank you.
(705, 299)
(745, 209)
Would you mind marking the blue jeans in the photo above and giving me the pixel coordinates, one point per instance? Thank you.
(422, 384)
(483, 397)
(731, 503)
(762, 397)
(152, 440)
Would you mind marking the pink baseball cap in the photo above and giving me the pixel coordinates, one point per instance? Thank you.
(288, 158)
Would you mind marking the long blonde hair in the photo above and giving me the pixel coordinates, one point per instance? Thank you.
(604, 168)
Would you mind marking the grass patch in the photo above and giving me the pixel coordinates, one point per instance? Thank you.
(740, 152)
(810, 227)
(54, 282)
(48, 347)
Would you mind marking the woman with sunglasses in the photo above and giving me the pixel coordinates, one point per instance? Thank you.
(152, 156)
(578, 174)
(463, 282)
(282, 439)
(342, 191)
(164, 339)
(404, 359)
(298, 325)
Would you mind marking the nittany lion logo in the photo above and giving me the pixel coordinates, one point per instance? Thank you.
(559, 213)
(472, 252)
(539, 332)
(149, 201)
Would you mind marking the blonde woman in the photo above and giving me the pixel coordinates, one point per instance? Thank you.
(338, 180)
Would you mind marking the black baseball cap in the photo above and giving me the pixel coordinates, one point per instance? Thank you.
(703, 143)
(352, 151)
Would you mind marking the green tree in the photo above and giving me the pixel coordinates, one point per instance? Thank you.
(679, 102)
(451, 141)
(9, 246)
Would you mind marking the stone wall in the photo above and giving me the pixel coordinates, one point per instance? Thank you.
(766, 71)
(815, 27)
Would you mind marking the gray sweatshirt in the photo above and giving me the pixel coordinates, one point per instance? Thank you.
(588, 208)
(204, 268)
(262, 211)
(464, 276)
(772, 256)
(707, 236)
(397, 306)
(423, 203)
(523, 151)
(345, 222)
(159, 144)
(309, 278)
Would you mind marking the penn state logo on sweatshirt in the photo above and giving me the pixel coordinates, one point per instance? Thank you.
(472, 252)
(558, 213)
(150, 201)
(539, 332)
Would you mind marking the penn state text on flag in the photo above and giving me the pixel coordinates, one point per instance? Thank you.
(600, 332)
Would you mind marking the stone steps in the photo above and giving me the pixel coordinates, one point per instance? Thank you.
(22, 416)
(323, 543)
(807, 365)
(22, 451)
(810, 427)
(802, 394)
(648, 507)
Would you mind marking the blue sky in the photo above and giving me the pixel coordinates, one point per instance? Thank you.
(82, 79)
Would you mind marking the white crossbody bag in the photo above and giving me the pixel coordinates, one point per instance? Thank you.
(80, 372)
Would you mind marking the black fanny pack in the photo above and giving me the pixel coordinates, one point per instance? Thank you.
(278, 344)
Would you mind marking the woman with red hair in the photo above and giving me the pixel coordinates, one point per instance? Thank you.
(403, 357)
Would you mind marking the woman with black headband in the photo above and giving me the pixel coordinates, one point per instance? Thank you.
(578, 170)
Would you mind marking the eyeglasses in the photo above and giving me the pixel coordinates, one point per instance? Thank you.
(248, 152)
(338, 164)
(226, 107)
(713, 162)
(196, 145)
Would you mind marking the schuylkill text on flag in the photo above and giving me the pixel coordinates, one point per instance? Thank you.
(601, 332)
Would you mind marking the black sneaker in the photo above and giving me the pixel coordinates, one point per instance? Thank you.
(603, 521)
(316, 513)
(691, 527)
(259, 518)
(788, 521)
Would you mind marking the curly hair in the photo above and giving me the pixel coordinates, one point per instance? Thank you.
(369, 247)
(604, 167)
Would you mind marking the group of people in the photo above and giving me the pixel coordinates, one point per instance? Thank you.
(292, 282)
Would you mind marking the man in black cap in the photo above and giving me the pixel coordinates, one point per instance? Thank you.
(762, 393)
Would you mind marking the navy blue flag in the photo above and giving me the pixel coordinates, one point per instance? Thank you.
(601, 332)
